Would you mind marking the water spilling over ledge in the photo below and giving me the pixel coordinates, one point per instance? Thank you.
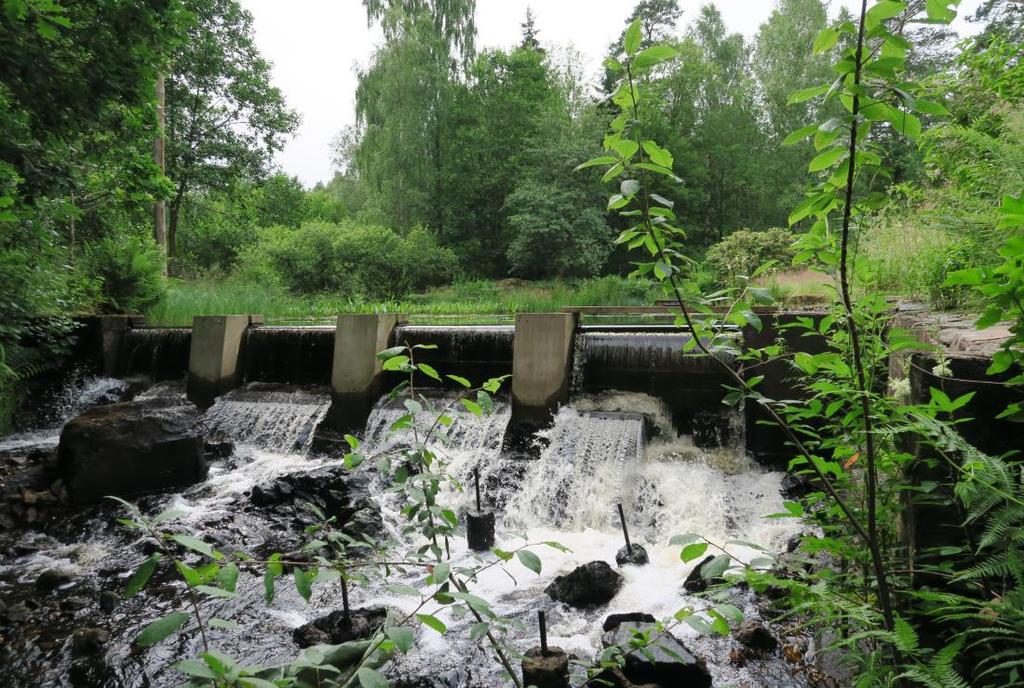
(272, 418)
(290, 355)
(159, 353)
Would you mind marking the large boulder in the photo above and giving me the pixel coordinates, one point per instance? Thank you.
(590, 585)
(666, 662)
(129, 448)
(335, 628)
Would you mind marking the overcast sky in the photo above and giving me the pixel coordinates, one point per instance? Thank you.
(315, 45)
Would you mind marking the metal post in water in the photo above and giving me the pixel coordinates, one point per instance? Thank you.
(476, 477)
(625, 532)
(543, 633)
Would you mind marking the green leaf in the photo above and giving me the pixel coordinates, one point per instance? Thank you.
(303, 583)
(141, 576)
(631, 42)
(402, 637)
(196, 545)
(395, 363)
(694, 551)
(472, 407)
(433, 622)
(227, 578)
(479, 630)
(271, 573)
(716, 567)
(216, 592)
(160, 629)
(939, 11)
(657, 154)
(390, 353)
(652, 56)
(529, 560)
(428, 371)
(800, 134)
(805, 94)
(461, 380)
(827, 159)
(600, 160)
(826, 40)
(224, 623)
(371, 678)
(194, 667)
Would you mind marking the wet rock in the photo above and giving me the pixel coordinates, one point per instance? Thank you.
(660, 665)
(17, 612)
(590, 585)
(336, 629)
(131, 447)
(334, 491)
(456, 678)
(795, 486)
(73, 604)
(637, 556)
(88, 641)
(546, 670)
(612, 621)
(218, 449)
(754, 635)
(89, 672)
(52, 579)
(109, 601)
(695, 582)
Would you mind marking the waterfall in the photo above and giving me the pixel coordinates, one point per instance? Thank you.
(289, 355)
(475, 352)
(273, 419)
(159, 353)
(652, 361)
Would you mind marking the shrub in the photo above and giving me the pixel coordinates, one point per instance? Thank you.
(742, 252)
(939, 263)
(130, 271)
(554, 234)
(359, 261)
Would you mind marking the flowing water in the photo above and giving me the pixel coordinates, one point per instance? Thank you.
(599, 451)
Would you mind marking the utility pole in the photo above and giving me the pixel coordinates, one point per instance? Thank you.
(159, 206)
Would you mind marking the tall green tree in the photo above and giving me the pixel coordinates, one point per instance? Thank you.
(225, 119)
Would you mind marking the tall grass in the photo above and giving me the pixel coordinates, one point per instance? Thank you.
(479, 301)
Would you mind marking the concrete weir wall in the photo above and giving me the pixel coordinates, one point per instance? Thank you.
(356, 380)
(541, 364)
(214, 358)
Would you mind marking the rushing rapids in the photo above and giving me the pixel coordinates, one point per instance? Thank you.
(602, 450)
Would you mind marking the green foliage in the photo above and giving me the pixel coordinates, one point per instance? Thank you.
(129, 270)
(938, 263)
(224, 118)
(739, 255)
(350, 259)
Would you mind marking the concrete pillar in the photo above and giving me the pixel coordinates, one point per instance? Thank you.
(214, 358)
(356, 378)
(541, 364)
(100, 339)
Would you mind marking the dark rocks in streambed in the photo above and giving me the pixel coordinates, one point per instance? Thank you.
(755, 636)
(634, 554)
(335, 628)
(88, 641)
(590, 585)
(456, 678)
(334, 491)
(129, 448)
(697, 582)
(546, 669)
(217, 448)
(55, 578)
(665, 663)
(613, 621)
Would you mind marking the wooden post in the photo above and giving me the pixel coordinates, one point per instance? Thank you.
(625, 532)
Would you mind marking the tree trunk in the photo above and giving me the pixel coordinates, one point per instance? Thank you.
(159, 206)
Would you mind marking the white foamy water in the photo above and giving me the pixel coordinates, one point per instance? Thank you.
(593, 460)
(77, 395)
(280, 422)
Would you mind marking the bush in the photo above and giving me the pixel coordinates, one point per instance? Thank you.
(130, 270)
(359, 261)
(937, 266)
(742, 252)
(553, 234)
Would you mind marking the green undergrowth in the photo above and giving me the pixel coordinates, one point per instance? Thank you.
(478, 301)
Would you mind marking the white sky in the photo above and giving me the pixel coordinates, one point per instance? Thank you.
(314, 46)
